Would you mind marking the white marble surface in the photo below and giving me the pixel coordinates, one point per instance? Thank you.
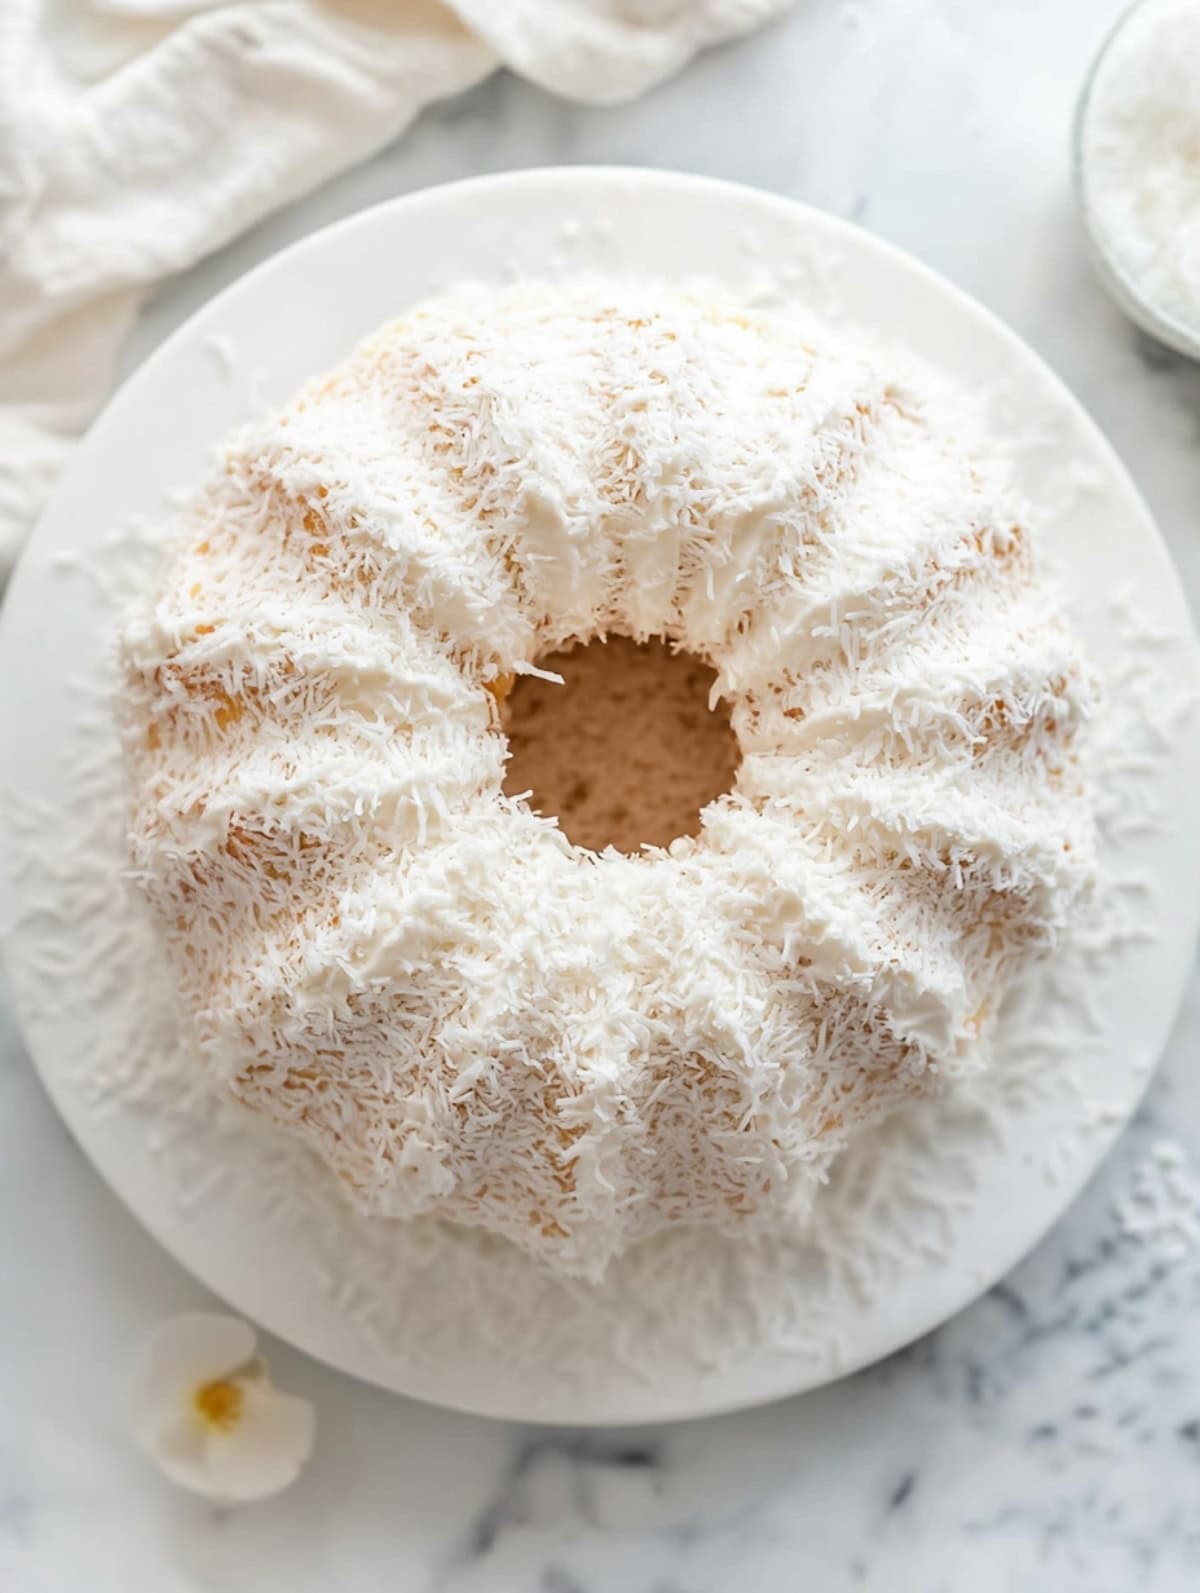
(1046, 1441)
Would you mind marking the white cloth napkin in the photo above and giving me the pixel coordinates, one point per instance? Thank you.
(138, 135)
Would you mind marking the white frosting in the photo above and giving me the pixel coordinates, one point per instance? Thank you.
(460, 1012)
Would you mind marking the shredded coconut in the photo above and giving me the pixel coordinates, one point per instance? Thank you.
(224, 352)
(1161, 1207)
(419, 977)
(1140, 153)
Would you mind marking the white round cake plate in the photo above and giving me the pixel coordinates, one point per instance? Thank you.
(300, 312)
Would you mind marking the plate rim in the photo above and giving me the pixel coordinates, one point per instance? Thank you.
(70, 1106)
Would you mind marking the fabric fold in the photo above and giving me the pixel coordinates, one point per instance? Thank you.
(142, 135)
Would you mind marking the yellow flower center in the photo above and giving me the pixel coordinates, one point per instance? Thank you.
(219, 1403)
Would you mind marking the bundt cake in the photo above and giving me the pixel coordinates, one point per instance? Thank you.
(389, 954)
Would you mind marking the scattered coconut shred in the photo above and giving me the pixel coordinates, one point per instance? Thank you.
(1140, 154)
(1161, 1206)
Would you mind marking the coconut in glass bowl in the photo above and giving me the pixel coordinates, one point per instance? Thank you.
(1137, 168)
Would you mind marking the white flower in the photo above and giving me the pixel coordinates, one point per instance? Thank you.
(208, 1413)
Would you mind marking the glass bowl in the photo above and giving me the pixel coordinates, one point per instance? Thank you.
(1158, 323)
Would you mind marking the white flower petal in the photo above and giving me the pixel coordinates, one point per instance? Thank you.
(266, 1449)
(181, 1452)
(210, 1416)
(186, 1352)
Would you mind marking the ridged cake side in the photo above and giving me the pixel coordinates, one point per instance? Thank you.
(455, 1008)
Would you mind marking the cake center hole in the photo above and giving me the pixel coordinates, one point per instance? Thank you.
(627, 751)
